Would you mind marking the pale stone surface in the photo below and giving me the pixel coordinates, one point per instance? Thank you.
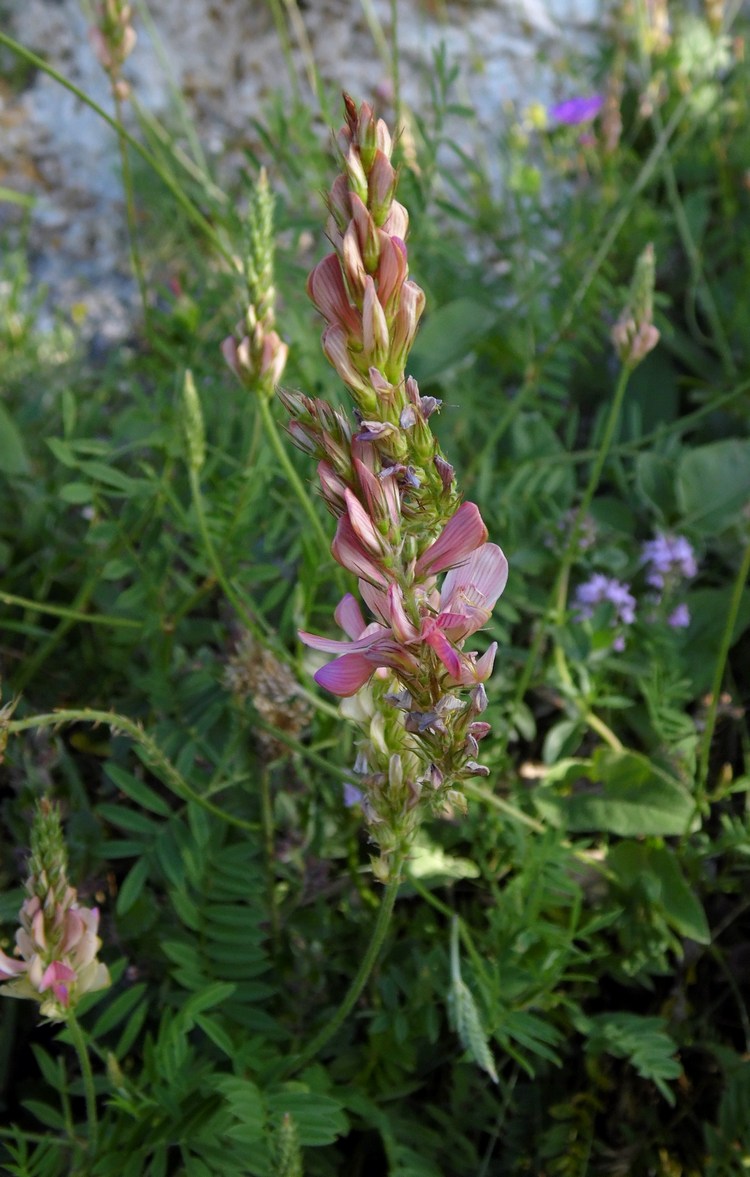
(226, 58)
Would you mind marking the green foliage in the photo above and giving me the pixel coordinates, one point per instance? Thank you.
(562, 985)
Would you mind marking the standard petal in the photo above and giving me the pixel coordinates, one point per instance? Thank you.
(363, 525)
(485, 572)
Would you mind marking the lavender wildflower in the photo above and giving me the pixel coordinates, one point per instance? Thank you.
(679, 618)
(669, 559)
(577, 110)
(352, 795)
(600, 590)
(586, 532)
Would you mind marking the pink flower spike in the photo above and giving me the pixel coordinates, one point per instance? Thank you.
(349, 617)
(463, 533)
(346, 675)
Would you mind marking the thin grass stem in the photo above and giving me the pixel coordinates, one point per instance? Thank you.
(79, 1043)
(361, 978)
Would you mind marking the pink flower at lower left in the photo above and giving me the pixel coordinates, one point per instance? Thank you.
(55, 960)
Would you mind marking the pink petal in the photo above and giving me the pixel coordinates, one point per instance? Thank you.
(56, 973)
(336, 347)
(348, 550)
(376, 600)
(349, 617)
(346, 675)
(372, 634)
(10, 967)
(462, 534)
(484, 664)
(374, 326)
(363, 525)
(403, 629)
(446, 652)
(229, 352)
(351, 260)
(326, 288)
(458, 626)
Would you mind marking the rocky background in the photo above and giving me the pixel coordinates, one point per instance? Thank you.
(227, 58)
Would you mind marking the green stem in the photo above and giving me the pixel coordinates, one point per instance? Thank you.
(79, 1042)
(294, 479)
(130, 212)
(698, 277)
(185, 203)
(560, 590)
(156, 759)
(721, 661)
(617, 222)
(360, 980)
(70, 614)
(266, 808)
(481, 794)
(217, 567)
(605, 444)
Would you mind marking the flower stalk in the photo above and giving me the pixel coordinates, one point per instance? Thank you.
(406, 680)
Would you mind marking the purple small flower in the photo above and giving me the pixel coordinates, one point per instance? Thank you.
(669, 558)
(600, 589)
(576, 110)
(679, 618)
(352, 795)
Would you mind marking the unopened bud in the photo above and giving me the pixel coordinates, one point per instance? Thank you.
(195, 433)
(634, 334)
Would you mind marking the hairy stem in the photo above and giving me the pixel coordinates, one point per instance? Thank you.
(79, 1042)
(366, 966)
(156, 759)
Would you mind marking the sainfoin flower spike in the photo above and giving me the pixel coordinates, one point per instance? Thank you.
(55, 960)
(402, 671)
